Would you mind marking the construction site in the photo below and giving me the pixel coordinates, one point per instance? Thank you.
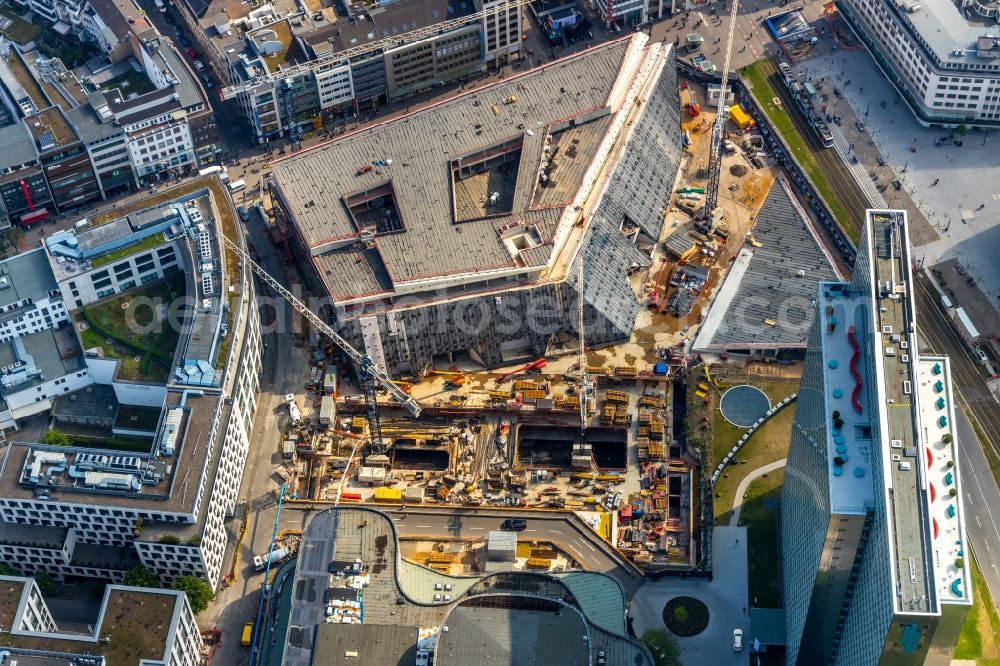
(622, 223)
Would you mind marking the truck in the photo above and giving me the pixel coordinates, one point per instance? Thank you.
(277, 555)
(293, 409)
(326, 410)
(247, 639)
(221, 170)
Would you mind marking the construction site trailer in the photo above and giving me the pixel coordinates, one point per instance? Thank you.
(371, 475)
(326, 410)
(414, 494)
(330, 382)
(739, 117)
(288, 452)
(388, 496)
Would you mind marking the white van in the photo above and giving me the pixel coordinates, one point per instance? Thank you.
(221, 170)
(237, 185)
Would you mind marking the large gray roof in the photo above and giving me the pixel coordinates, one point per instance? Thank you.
(944, 30)
(28, 276)
(765, 283)
(18, 146)
(420, 146)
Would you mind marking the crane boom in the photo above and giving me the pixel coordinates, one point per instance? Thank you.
(327, 59)
(718, 128)
(364, 362)
(584, 384)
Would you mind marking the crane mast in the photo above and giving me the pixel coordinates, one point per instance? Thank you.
(371, 376)
(708, 213)
(584, 382)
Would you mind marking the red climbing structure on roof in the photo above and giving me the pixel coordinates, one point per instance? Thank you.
(856, 393)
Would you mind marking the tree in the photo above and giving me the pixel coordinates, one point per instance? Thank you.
(7, 570)
(171, 539)
(681, 614)
(952, 492)
(56, 438)
(198, 592)
(140, 576)
(194, 540)
(962, 129)
(959, 563)
(947, 438)
(46, 584)
(663, 646)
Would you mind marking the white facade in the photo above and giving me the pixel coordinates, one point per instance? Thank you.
(934, 57)
(162, 143)
(36, 397)
(335, 84)
(94, 284)
(28, 316)
(624, 13)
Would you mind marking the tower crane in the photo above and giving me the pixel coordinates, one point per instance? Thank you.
(584, 380)
(326, 60)
(369, 375)
(710, 214)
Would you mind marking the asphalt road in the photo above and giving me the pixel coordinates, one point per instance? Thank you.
(982, 499)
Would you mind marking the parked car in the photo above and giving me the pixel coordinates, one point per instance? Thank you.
(738, 640)
(183, 41)
(200, 67)
(514, 524)
(243, 213)
(208, 82)
(192, 54)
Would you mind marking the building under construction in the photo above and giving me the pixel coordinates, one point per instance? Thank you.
(457, 229)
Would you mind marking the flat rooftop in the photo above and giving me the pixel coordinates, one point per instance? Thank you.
(893, 348)
(945, 30)
(851, 489)
(400, 596)
(773, 283)
(937, 419)
(324, 187)
(132, 625)
(26, 276)
(277, 40)
(180, 474)
(40, 357)
(23, 78)
(50, 129)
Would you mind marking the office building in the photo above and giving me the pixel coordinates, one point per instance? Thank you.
(298, 73)
(469, 242)
(82, 510)
(875, 564)
(134, 625)
(943, 57)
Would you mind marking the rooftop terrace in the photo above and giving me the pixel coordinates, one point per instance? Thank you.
(50, 129)
(849, 446)
(132, 624)
(23, 76)
(937, 419)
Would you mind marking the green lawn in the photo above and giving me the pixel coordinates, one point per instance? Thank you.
(19, 30)
(149, 243)
(980, 638)
(764, 93)
(768, 444)
(760, 516)
(146, 350)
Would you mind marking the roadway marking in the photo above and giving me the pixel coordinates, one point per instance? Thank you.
(524, 530)
(423, 526)
(477, 528)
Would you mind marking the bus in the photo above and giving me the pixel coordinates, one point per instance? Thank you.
(237, 185)
(221, 170)
(247, 634)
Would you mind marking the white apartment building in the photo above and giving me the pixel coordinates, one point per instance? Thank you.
(946, 68)
(335, 84)
(29, 300)
(161, 144)
(164, 509)
(170, 632)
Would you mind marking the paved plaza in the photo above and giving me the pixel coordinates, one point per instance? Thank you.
(725, 595)
(964, 205)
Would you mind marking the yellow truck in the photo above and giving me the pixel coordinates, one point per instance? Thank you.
(247, 634)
